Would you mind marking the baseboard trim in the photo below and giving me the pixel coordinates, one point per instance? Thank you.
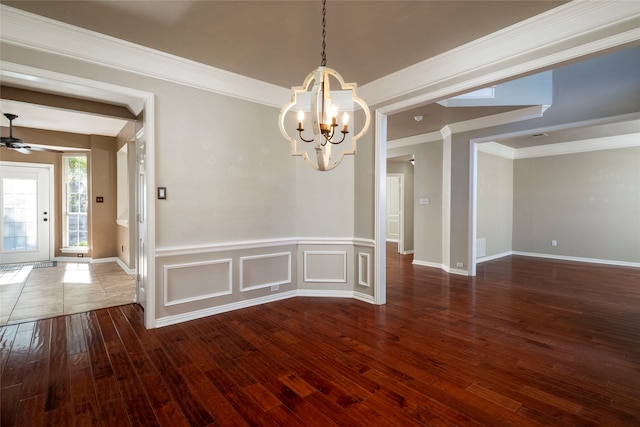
(561, 258)
(193, 315)
(580, 259)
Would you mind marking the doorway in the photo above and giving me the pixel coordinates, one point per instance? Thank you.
(26, 202)
(395, 211)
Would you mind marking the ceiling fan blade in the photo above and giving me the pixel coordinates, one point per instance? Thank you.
(48, 150)
(21, 150)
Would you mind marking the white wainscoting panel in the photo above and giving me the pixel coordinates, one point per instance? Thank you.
(325, 266)
(364, 269)
(196, 281)
(262, 271)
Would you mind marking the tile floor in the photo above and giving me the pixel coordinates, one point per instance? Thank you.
(37, 293)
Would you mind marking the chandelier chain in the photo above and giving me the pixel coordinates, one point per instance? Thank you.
(324, 32)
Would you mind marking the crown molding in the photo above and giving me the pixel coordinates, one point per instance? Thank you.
(513, 116)
(414, 140)
(573, 147)
(570, 31)
(497, 149)
(469, 125)
(558, 149)
(27, 30)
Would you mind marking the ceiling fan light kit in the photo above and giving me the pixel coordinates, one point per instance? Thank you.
(316, 98)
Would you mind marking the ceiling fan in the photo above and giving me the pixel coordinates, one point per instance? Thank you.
(16, 143)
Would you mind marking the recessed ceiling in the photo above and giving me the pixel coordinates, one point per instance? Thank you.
(280, 41)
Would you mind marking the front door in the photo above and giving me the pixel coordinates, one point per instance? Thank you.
(25, 199)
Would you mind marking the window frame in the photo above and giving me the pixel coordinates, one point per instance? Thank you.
(66, 247)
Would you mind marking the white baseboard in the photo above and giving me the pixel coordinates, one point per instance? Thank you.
(580, 259)
(84, 260)
(428, 264)
(87, 260)
(492, 257)
(561, 258)
(124, 267)
(441, 267)
(192, 315)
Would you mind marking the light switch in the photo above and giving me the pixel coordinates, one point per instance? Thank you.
(425, 201)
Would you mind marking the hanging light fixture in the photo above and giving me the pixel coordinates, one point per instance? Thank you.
(323, 106)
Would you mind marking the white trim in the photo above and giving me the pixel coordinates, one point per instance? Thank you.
(414, 140)
(496, 149)
(75, 250)
(254, 244)
(492, 257)
(363, 258)
(573, 147)
(469, 125)
(165, 282)
(428, 264)
(539, 37)
(364, 297)
(446, 200)
(198, 314)
(308, 279)
(370, 243)
(219, 247)
(31, 31)
(473, 207)
(124, 267)
(266, 284)
(380, 209)
(82, 260)
(513, 116)
(562, 258)
(325, 293)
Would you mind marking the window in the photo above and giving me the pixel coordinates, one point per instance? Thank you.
(75, 202)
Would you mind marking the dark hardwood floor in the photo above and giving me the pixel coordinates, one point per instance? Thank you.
(526, 342)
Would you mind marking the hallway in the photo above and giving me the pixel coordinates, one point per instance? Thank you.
(39, 293)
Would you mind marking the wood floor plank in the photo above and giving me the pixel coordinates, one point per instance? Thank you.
(526, 342)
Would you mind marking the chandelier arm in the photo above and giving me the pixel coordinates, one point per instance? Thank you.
(344, 135)
(302, 138)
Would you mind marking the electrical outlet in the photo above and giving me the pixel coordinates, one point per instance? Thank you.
(460, 264)
(275, 287)
(554, 243)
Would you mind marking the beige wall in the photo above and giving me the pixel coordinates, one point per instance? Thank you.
(103, 184)
(495, 203)
(588, 202)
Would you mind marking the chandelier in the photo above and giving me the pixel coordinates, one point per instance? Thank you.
(323, 105)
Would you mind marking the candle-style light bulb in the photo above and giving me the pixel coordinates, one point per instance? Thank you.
(300, 119)
(345, 122)
(333, 112)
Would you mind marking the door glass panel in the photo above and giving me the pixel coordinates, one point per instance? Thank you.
(20, 216)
